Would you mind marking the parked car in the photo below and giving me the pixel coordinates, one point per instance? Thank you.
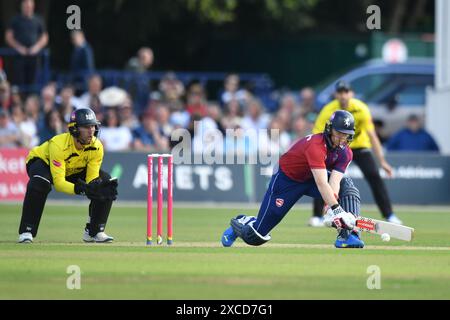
(392, 91)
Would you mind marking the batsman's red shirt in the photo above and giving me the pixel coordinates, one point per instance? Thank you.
(311, 152)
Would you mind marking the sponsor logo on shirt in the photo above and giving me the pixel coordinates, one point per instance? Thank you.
(56, 163)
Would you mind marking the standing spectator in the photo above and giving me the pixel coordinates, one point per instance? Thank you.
(53, 125)
(90, 98)
(147, 137)
(412, 138)
(142, 62)
(82, 61)
(26, 34)
(140, 85)
(9, 134)
(232, 91)
(113, 135)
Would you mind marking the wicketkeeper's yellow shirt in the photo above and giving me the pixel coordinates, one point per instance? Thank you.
(65, 160)
(363, 121)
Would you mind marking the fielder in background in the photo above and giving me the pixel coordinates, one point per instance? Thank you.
(71, 162)
(314, 166)
(364, 141)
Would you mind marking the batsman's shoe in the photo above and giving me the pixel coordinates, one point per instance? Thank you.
(100, 237)
(393, 219)
(351, 241)
(25, 237)
(228, 237)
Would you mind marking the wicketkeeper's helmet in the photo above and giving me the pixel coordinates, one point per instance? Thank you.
(80, 118)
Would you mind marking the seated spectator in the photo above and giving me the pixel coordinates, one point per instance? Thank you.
(180, 119)
(288, 104)
(300, 128)
(53, 125)
(90, 98)
(48, 95)
(310, 122)
(65, 104)
(233, 115)
(172, 90)
(380, 130)
(277, 140)
(239, 143)
(113, 135)
(162, 116)
(215, 114)
(33, 121)
(255, 118)
(9, 134)
(308, 101)
(5, 95)
(142, 62)
(82, 61)
(196, 100)
(127, 116)
(286, 118)
(232, 91)
(26, 126)
(148, 136)
(16, 97)
(412, 138)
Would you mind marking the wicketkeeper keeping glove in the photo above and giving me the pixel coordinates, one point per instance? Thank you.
(98, 189)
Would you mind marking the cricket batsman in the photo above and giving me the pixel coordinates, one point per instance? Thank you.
(71, 162)
(314, 166)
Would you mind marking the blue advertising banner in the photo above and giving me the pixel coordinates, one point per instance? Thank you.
(418, 179)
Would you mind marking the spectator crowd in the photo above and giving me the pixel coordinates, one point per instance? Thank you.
(28, 119)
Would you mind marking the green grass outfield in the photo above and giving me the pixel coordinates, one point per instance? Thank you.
(299, 263)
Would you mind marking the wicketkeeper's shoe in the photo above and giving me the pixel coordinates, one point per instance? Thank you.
(393, 219)
(316, 222)
(100, 237)
(25, 237)
(351, 241)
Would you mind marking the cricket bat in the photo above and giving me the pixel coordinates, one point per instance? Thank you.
(379, 227)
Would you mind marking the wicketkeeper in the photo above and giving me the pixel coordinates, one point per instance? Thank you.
(71, 162)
